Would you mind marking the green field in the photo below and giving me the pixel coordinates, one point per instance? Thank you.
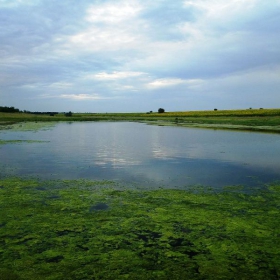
(254, 119)
(99, 230)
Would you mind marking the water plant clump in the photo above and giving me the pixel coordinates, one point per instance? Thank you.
(92, 230)
(3, 142)
(28, 126)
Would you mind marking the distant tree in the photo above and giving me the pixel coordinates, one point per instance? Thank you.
(215, 109)
(6, 109)
(161, 110)
(69, 114)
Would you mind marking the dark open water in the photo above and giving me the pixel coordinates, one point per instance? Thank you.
(137, 154)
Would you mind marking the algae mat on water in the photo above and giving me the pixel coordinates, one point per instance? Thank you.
(98, 230)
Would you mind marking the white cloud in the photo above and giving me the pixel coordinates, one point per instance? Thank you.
(169, 82)
(82, 97)
(214, 17)
(165, 83)
(115, 75)
(220, 8)
(61, 85)
(102, 39)
(114, 12)
(113, 26)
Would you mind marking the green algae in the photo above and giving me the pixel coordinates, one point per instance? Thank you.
(3, 142)
(25, 126)
(28, 126)
(83, 229)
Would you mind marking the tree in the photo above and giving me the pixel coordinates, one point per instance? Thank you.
(69, 114)
(161, 110)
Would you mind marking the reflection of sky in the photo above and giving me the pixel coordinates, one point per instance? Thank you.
(152, 153)
(256, 149)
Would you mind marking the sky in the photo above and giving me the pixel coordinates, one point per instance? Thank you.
(139, 55)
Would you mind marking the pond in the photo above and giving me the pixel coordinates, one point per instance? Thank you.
(141, 155)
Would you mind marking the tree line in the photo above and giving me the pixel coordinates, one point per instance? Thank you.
(6, 109)
(9, 109)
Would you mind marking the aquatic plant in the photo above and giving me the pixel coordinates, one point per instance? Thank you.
(3, 142)
(28, 126)
(98, 230)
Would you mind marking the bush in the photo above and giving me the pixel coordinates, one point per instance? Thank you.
(161, 110)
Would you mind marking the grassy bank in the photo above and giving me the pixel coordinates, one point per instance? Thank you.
(258, 119)
(98, 230)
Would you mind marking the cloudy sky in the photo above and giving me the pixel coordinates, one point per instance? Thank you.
(139, 55)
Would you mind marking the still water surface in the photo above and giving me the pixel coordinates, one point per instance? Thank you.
(137, 154)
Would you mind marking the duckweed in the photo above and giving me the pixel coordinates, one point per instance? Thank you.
(98, 230)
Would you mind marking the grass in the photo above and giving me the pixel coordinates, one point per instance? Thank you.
(97, 230)
(260, 119)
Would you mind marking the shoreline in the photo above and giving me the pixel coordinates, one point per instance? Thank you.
(258, 120)
(216, 126)
(268, 129)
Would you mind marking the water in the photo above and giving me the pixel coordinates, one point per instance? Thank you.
(137, 154)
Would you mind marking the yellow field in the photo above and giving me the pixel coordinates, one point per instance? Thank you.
(232, 113)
